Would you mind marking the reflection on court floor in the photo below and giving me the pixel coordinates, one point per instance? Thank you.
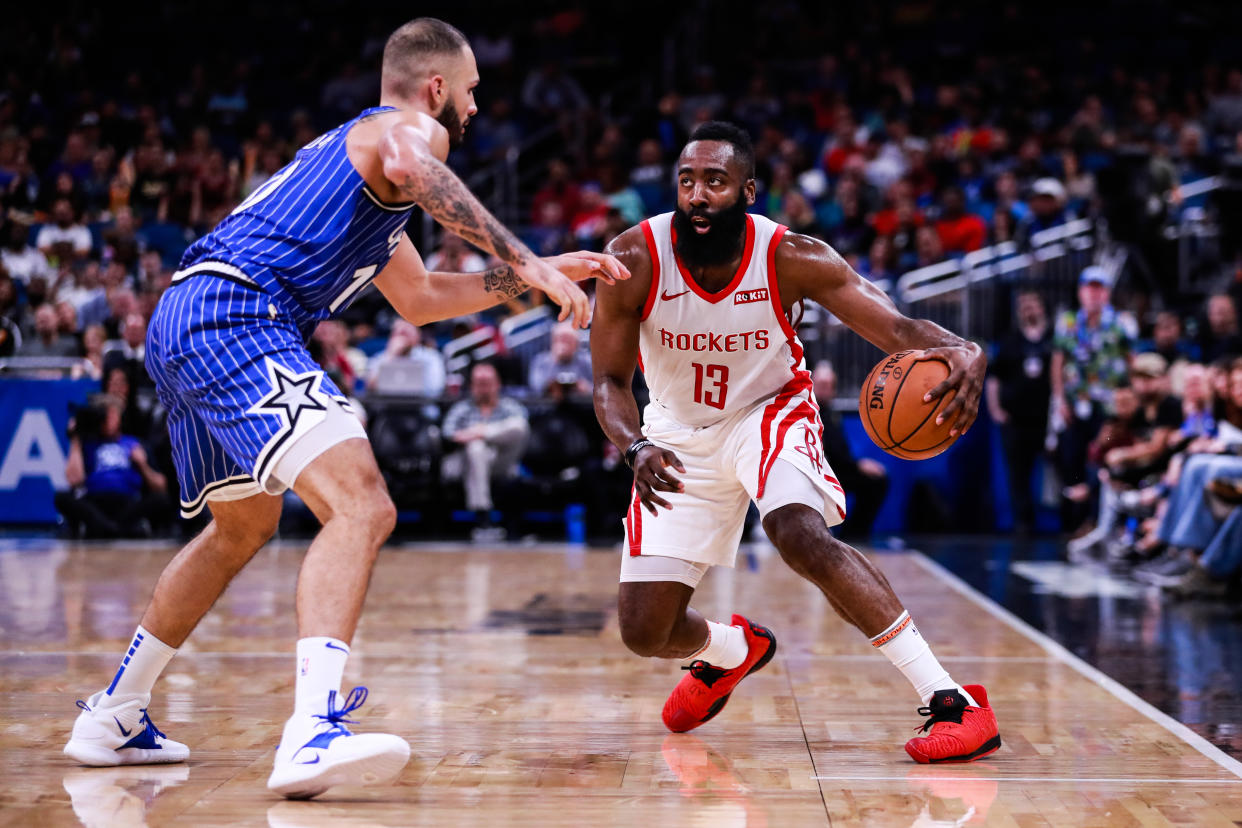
(504, 669)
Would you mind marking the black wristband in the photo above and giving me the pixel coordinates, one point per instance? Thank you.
(635, 447)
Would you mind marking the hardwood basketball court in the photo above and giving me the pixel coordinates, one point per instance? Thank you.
(504, 670)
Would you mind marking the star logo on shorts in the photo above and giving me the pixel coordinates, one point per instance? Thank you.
(291, 393)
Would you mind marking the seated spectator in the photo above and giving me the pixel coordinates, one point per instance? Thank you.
(1167, 339)
(67, 320)
(122, 242)
(565, 362)
(93, 339)
(406, 366)
(12, 313)
(1047, 210)
(800, 216)
(550, 234)
(47, 340)
(651, 178)
(83, 288)
(960, 232)
(587, 225)
(557, 187)
(122, 303)
(136, 417)
(65, 240)
(1002, 227)
(851, 234)
(1154, 424)
(130, 353)
(927, 247)
(455, 256)
(881, 261)
(1221, 336)
(23, 261)
(1018, 392)
(864, 478)
(333, 352)
(114, 492)
(492, 432)
(619, 195)
(1196, 521)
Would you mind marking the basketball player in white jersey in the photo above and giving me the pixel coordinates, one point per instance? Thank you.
(733, 418)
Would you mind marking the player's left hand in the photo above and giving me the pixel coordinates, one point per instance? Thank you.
(583, 264)
(967, 367)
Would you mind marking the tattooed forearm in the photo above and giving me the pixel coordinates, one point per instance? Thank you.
(503, 282)
(443, 195)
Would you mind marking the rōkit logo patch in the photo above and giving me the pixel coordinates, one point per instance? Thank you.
(745, 297)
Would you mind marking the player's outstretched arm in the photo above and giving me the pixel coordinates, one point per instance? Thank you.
(614, 355)
(809, 268)
(411, 164)
(423, 296)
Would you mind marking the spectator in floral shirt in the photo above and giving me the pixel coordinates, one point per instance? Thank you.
(1091, 357)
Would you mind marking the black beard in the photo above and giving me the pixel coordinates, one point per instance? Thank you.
(719, 244)
(451, 120)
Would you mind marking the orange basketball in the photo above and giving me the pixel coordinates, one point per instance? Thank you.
(892, 408)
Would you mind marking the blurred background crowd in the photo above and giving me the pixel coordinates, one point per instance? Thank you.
(1062, 187)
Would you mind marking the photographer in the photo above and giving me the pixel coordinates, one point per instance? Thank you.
(114, 492)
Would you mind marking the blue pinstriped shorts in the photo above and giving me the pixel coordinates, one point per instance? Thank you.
(237, 382)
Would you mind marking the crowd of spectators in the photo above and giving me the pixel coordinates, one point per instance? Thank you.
(1145, 435)
(903, 134)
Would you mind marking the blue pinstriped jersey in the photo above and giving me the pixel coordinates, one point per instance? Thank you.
(312, 236)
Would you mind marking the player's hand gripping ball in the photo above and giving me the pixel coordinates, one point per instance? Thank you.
(892, 408)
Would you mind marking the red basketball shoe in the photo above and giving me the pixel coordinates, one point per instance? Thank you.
(960, 732)
(704, 691)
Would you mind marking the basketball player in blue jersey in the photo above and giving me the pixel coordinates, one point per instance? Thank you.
(251, 414)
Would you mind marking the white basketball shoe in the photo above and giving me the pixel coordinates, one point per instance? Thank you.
(318, 752)
(116, 730)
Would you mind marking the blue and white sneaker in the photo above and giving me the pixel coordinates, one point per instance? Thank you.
(318, 752)
(116, 730)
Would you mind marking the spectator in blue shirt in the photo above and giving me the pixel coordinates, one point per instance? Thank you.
(114, 491)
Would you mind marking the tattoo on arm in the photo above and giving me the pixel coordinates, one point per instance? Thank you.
(503, 282)
(450, 202)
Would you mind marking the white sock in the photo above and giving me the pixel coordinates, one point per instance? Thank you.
(909, 652)
(142, 665)
(321, 664)
(726, 646)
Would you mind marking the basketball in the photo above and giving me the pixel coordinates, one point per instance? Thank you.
(893, 412)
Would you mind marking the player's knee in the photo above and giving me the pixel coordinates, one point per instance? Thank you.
(379, 516)
(801, 536)
(646, 637)
(249, 535)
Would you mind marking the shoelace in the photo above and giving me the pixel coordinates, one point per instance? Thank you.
(704, 672)
(337, 715)
(149, 725)
(949, 715)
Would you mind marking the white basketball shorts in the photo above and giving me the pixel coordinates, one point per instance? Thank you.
(728, 464)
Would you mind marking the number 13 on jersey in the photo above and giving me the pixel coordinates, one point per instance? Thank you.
(711, 384)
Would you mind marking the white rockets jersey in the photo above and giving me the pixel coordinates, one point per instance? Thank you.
(707, 356)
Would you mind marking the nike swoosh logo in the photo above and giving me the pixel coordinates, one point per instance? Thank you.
(124, 732)
(314, 761)
(332, 646)
(665, 295)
